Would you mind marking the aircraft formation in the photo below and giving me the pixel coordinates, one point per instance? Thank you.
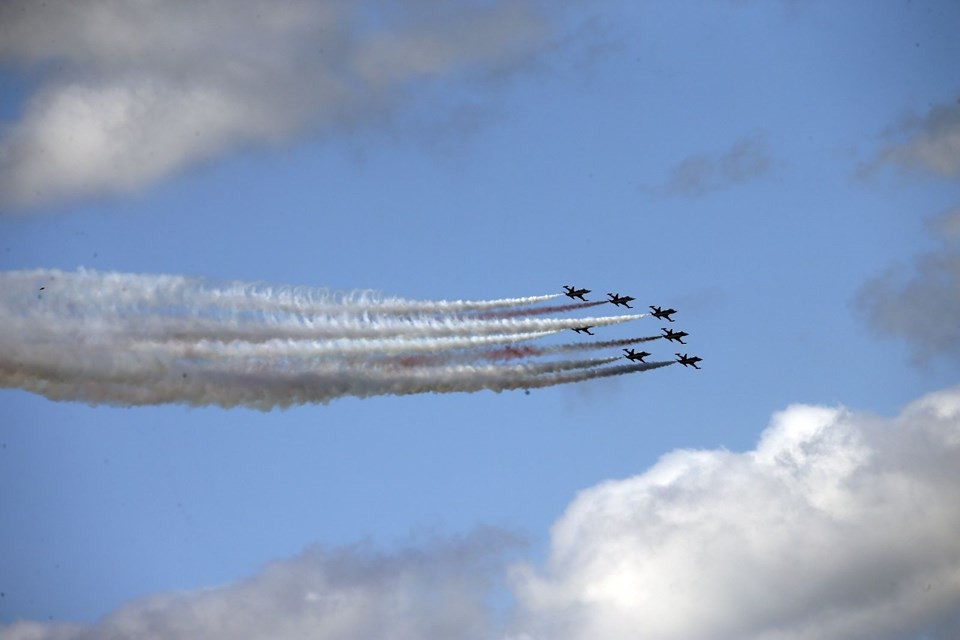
(572, 292)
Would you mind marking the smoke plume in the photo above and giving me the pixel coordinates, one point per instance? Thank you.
(129, 339)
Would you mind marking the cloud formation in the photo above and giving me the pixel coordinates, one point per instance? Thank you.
(436, 591)
(748, 159)
(837, 525)
(931, 144)
(920, 304)
(136, 91)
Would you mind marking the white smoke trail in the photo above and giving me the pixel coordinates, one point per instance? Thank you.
(125, 289)
(134, 339)
(268, 388)
(140, 324)
(116, 306)
(343, 347)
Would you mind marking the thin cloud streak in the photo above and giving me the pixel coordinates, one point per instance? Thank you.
(748, 159)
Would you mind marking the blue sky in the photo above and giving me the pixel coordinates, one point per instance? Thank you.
(784, 174)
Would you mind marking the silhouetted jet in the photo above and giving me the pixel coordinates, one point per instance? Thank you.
(632, 355)
(691, 361)
(617, 299)
(573, 292)
(674, 335)
(661, 314)
(585, 330)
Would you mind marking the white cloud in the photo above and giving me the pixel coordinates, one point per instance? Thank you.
(136, 91)
(84, 139)
(838, 525)
(932, 144)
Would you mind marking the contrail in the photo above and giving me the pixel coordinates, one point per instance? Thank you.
(132, 339)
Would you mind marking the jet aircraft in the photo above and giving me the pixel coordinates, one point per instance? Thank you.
(585, 330)
(632, 355)
(573, 292)
(674, 335)
(688, 360)
(617, 300)
(662, 314)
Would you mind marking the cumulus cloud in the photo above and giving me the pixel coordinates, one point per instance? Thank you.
(921, 303)
(837, 525)
(748, 159)
(931, 144)
(136, 91)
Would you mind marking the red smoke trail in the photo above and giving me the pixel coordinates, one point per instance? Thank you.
(550, 379)
(499, 354)
(515, 351)
(607, 344)
(539, 311)
(511, 352)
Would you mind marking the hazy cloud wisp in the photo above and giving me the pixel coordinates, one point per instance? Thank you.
(748, 159)
(920, 304)
(931, 144)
